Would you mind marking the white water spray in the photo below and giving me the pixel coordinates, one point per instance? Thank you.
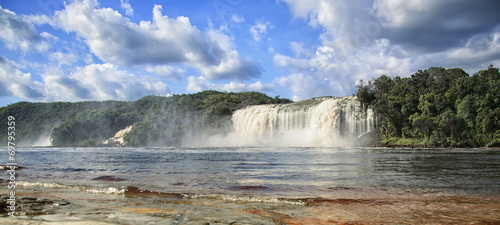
(315, 122)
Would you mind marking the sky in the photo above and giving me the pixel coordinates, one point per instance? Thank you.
(82, 50)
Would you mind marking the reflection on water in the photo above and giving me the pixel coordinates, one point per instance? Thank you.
(305, 172)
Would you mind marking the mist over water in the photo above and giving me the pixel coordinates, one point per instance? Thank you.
(318, 122)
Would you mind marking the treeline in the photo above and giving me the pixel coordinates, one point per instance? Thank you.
(436, 107)
(170, 121)
(35, 121)
(158, 121)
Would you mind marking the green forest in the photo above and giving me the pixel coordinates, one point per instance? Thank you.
(436, 107)
(157, 121)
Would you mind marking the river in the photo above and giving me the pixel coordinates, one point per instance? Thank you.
(305, 172)
(264, 173)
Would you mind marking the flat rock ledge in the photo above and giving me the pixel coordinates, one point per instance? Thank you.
(32, 206)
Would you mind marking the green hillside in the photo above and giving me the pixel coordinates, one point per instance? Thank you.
(157, 121)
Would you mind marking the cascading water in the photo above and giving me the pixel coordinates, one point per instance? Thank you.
(322, 121)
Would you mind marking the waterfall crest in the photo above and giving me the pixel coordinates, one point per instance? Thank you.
(324, 121)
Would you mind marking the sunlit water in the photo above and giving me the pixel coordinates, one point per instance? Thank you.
(276, 172)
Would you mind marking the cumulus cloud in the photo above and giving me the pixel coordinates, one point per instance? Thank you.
(125, 5)
(14, 82)
(299, 50)
(115, 39)
(19, 33)
(435, 25)
(259, 30)
(232, 66)
(325, 74)
(64, 88)
(478, 52)
(305, 86)
(364, 39)
(100, 82)
(167, 72)
(92, 82)
(422, 25)
(292, 63)
(62, 58)
(197, 84)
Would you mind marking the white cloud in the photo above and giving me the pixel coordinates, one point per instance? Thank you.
(167, 72)
(271, 50)
(343, 21)
(61, 87)
(299, 50)
(365, 39)
(292, 63)
(235, 18)
(399, 13)
(305, 86)
(115, 39)
(63, 58)
(304, 9)
(125, 5)
(232, 65)
(13, 82)
(39, 19)
(325, 73)
(92, 82)
(201, 83)
(19, 33)
(101, 82)
(259, 29)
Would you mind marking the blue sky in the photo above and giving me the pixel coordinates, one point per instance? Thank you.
(54, 50)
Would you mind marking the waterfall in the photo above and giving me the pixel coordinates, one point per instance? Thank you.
(325, 121)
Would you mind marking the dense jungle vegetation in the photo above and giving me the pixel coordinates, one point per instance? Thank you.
(158, 121)
(436, 107)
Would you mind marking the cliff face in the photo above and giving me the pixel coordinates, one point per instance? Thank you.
(118, 139)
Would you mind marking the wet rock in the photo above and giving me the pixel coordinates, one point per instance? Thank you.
(141, 192)
(8, 167)
(33, 206)
(109, 178)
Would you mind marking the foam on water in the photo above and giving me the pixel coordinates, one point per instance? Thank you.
(142, 191)
(248, 199)
(95, 190)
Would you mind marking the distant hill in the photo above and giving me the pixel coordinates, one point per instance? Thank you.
(157, 121)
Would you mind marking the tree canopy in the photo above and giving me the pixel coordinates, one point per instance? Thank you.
(437, 107)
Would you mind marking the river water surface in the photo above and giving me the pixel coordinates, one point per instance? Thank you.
(286, 172)
(254, 185)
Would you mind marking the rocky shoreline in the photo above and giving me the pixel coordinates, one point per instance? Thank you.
(32, 206)
(69, 206)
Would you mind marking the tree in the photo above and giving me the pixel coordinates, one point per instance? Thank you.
(364, 94)
(437, 106)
